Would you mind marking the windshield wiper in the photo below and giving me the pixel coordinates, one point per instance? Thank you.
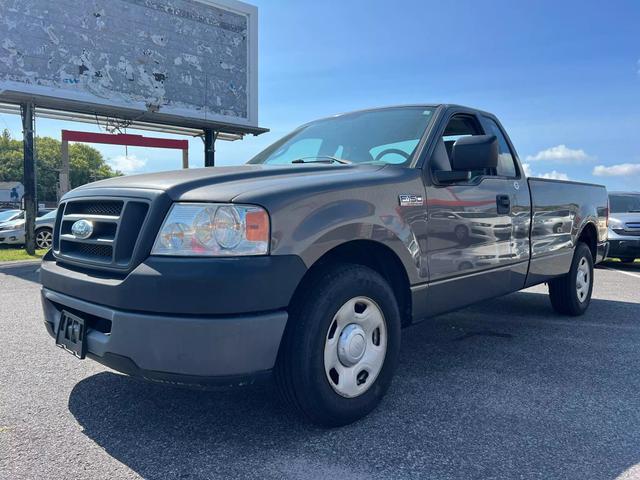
(321, 159)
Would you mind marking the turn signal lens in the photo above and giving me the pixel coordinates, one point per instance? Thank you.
(257, 224)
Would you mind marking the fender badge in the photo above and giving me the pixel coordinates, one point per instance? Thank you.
(516, 185)
(409, 200)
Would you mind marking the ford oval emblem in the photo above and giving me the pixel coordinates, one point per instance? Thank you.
(82, 229)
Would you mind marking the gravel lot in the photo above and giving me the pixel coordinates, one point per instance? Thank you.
(504, 389)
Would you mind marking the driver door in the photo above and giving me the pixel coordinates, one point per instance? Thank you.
(469, 226)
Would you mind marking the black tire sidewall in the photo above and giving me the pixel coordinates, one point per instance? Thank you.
(582, 251)
(317, 397)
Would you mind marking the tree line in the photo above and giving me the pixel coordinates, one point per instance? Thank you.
(86, 164)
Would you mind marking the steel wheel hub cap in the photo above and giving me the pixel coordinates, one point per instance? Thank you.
(355, 347)
(351, 345)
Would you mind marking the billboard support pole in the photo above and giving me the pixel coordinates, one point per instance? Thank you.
(209, 147)
(29, 172)
(185, 158)
(64, 168)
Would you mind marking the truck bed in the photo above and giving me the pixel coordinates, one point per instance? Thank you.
(560, 210)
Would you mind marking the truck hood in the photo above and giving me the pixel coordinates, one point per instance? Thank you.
(223, 184)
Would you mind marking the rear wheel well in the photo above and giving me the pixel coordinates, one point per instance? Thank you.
(589, 235)
(376, 256)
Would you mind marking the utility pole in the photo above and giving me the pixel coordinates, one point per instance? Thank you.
(209, 147)
(29, 180)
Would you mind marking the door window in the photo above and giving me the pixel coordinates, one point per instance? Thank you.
(458, 127)
(506, 162)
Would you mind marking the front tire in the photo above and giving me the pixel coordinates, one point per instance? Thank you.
(571, 294)
(341, 345)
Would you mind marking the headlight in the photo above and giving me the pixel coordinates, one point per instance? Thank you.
(213, 229)
(615, 223)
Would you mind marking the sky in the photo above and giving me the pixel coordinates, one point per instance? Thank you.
(562, 76)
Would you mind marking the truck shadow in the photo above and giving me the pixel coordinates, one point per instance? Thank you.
(503, 389)
(28, 272)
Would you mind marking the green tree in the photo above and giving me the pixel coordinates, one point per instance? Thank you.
(86, 164)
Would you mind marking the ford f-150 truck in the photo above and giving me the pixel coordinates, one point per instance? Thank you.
(306, 262)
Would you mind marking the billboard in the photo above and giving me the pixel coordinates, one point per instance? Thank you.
(190, 63)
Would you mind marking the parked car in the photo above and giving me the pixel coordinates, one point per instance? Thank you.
(13, 232)
(624, 226)
(9, 215)
(306, 262)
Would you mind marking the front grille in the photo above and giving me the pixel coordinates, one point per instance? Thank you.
(116, 225)
(91, 251)
(630, 229)
(108, 208)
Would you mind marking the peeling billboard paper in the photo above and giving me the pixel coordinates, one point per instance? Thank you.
(184, 62)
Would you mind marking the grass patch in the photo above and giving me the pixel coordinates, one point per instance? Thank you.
(17, 254)
(617, 260)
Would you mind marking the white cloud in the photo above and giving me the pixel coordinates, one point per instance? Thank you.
(620, 170)
(554, 175)
(560, 153)
(127, 164)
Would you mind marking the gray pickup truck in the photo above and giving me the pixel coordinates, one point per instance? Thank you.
(306, 263)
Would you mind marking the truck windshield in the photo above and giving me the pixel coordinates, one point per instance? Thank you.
(624, 203)
(384, 136)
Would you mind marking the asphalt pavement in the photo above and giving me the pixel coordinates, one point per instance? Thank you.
(504, 389)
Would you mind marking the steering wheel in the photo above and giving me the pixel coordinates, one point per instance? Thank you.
(388, 151)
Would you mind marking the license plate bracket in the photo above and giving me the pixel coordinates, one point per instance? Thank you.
(71, 334)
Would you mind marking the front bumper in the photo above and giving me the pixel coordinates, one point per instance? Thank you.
(199, 321)
(12, 237)
(183, 286)
(624, 247)
(182, 350)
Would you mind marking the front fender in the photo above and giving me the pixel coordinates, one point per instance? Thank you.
(403, 244)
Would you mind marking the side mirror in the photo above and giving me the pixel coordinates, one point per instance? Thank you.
(477, 152)
(452, 176)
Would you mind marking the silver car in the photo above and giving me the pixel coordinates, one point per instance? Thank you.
(12, 231)
(624, 226)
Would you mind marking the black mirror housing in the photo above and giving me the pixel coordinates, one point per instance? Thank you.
(477, 152)
(452, 176)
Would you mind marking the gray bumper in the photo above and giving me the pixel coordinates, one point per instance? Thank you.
(199, 350)
(626, 247)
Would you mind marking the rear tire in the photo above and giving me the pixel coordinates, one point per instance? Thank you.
(340, 348)
(571, 294)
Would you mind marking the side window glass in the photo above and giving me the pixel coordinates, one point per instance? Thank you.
(506, 162)
(458, 127)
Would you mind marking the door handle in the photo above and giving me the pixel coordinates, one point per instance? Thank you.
(504, 204)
